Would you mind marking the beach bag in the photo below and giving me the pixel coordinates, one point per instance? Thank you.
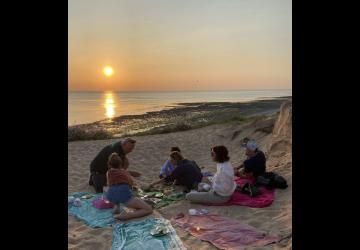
(249, 189)
(102, 203)
(272, 180)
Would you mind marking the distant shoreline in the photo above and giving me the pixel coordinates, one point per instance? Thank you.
(169, 91)
(179, 106)
(184, 116)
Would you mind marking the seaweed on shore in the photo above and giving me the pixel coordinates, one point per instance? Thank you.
(184, 117)
(79, 134)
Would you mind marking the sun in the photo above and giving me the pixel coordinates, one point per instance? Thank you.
(108, 71)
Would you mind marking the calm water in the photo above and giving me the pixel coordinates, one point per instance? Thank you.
(85, 107)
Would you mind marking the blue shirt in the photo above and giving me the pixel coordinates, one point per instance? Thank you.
(167, 168)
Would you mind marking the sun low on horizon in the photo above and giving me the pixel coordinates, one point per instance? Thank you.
(179, 45)
(108, 71)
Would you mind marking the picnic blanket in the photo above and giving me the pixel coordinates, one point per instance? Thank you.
(92, 216)
(265, 199)
(223, 232)
(159, 199)
(136, 236)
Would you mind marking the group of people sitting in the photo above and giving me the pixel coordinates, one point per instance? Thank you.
(110, 168)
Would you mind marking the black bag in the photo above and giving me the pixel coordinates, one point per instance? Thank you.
(249, 189)
(272, 180)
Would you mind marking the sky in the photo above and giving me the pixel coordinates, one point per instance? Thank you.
(176, 45)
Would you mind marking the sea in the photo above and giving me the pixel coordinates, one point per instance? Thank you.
(87, 107)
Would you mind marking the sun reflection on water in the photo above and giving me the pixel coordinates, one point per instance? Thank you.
(109, 105)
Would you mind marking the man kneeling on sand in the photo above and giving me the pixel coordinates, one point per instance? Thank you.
(99, 166)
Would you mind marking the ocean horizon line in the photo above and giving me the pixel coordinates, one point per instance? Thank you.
(171, 91)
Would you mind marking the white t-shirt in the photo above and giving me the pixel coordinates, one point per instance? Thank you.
(223, 181)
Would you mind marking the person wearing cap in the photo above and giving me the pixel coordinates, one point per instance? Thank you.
(255, 164)
(99, 166)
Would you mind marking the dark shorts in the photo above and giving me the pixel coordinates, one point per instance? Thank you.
(119, 194)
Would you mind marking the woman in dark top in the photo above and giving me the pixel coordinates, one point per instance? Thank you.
(186, 173)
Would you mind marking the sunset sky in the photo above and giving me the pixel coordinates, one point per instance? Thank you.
(174, 45)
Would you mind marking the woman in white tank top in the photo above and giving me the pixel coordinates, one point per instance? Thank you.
(222, 185)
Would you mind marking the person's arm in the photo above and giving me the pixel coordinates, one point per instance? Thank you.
(156, 182)
(126, 162)
(134, 173)
(244, 175)
(131, 181)
(206, 180)
(126, 166)
(239, 167)
(107, 178)
(247, 171)
(175, 174)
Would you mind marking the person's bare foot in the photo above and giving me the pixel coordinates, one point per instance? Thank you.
(120, 216)
(116, 211)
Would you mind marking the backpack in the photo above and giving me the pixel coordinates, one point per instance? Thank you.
(271, 180)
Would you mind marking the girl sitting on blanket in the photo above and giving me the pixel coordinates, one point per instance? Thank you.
(120, 184)
(221, 185)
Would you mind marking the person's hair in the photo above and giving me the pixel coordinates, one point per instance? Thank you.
(221, 154)
(175, 149)
(130, 140)
(115, 161)
(175, 155)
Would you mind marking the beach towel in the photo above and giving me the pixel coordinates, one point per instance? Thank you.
(92, 216)
(136, 236)
(265, 199)
(223, 232)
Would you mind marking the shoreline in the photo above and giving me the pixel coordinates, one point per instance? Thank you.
(182, 117)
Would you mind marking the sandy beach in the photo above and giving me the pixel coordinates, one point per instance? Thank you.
(273, 135)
